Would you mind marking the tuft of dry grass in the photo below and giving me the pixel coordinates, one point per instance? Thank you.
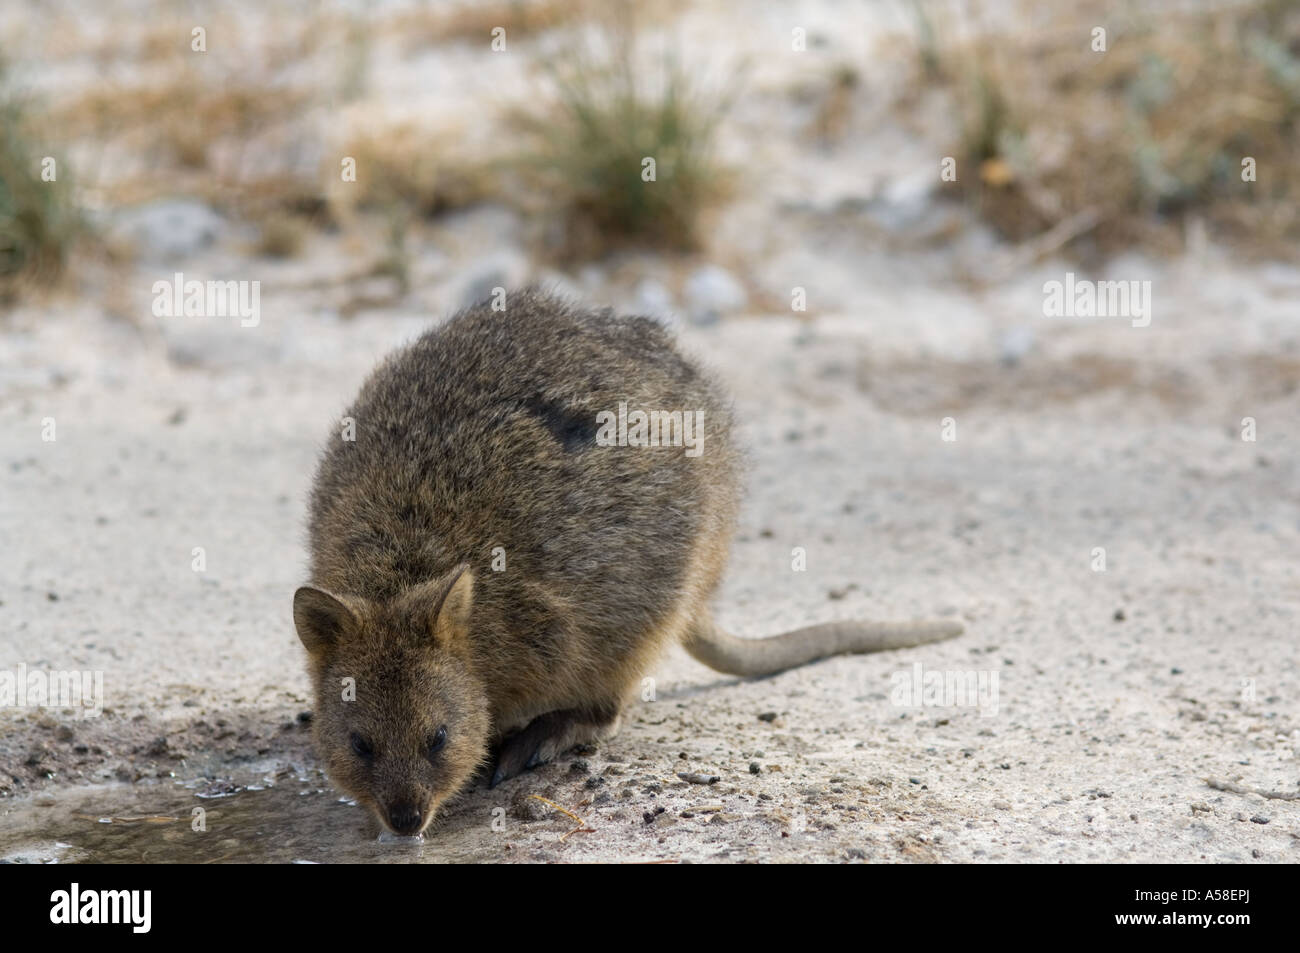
(282, 235)
(1141, 137)
(220, 124)
(624, 155)
(39, 220)
(417, 166)
(178, 122)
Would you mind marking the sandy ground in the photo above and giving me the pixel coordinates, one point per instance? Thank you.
(1119, 692)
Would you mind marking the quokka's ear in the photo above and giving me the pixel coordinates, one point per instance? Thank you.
(451, 620)
(322, 619)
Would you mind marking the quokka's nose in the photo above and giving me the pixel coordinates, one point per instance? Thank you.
(404, 818)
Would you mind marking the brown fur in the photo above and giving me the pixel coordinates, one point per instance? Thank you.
(481, 434)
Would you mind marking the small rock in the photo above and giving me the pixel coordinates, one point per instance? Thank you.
(1014, 344)
(653, 299)
(168, 229)
(505, 269)
(711, 292)
(692, 777)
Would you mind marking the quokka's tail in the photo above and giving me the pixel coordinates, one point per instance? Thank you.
(724, 652)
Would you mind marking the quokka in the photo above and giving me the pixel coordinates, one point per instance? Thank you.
(494, 581)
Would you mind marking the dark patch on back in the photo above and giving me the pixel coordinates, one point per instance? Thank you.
(575, 429)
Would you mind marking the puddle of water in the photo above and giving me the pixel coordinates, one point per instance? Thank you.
(290, 820)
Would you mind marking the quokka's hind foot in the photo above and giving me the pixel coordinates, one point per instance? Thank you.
(550, 735)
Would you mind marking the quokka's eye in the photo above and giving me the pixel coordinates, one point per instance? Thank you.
(437, 741)
(361, 747)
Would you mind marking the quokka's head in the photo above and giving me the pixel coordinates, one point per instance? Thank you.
(401, 720)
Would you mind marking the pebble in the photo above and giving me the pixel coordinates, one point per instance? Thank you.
(712, 292)
(652, 299)
(695, 778)
(1014, 344)
(168, 229)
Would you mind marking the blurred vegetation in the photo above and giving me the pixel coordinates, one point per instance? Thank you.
(39, 222)
(260, 138)
(472, 22)
(423, 168)
(588, 147)
(1133, 142)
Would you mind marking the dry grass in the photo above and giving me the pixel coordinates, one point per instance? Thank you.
(935, 386)
(1143, 136)
(588, 148)
(39, 220)
(257, 134)
(179, 121)
(281, 235)
(249, 138)
(474, 22)
(418, 166)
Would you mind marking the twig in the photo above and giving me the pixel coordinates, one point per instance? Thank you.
(1045, 243)
(582, 827)
(1239, 789)
(574, 817)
